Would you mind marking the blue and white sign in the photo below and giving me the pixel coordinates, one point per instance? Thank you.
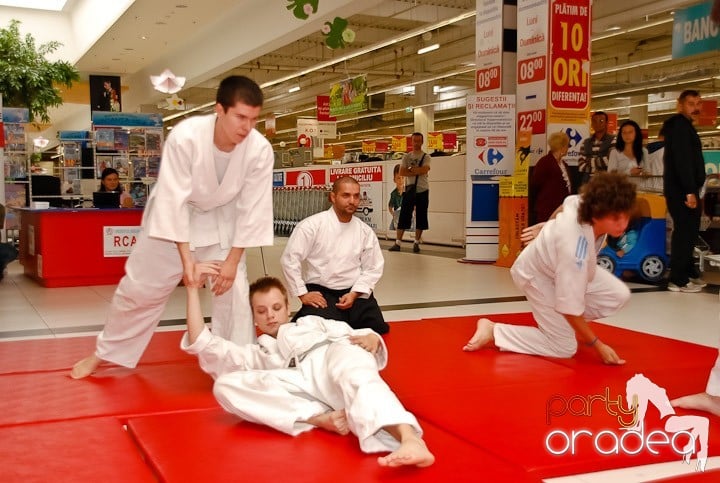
(694, 32)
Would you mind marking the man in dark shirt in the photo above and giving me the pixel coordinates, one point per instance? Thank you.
(683, 177)
(595, 150)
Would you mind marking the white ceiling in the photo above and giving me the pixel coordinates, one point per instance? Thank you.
(169, 24)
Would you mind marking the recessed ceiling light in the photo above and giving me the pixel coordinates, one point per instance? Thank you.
(294, 89)
(427, 49)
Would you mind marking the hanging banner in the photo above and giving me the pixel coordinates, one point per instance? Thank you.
(435, 140)
(105, 93)
(270, 126)
(490, 136)
(569, 61)
(694, 32)
(349, 96)
(368, 147)
(399, 144)
(488, 45)
(305, 177)
(323, 109)
(532, 75)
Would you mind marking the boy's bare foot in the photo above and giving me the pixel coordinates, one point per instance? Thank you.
(483, 335)
(85, 367)
(412, 451)
(333, 421)
(701, 401)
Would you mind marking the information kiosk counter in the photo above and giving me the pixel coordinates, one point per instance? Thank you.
(77, 247)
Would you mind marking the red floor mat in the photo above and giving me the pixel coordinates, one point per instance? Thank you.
(54, 396)
(57, 354)
(512, 420)
(91, 450)
(216, 446)
(709, 476)
(427, 356)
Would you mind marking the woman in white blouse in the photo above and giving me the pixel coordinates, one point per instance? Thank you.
(629, 155)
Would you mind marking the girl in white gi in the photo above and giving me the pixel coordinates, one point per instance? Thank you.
(212, 199)
(558, 274)
(310, 373)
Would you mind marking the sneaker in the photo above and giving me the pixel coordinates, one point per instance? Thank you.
(394, 248)
(687, 288)
(416, 248)
(698, 282)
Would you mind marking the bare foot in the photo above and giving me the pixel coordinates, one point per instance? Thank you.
(333, 421)
(85, 367)
(701, 401)
(483, 335)
(412, 451)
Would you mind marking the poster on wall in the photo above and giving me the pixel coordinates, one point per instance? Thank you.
(305, 178)
(105, 93)
(371, 207)
(488, 45)
(490, 136)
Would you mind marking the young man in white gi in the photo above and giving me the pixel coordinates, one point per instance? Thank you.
(558, 274)
(333, 260)
(311, 373)
(212, 199)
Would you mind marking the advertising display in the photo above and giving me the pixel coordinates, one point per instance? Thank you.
(569, 62)
(532, 74)
(488, 46)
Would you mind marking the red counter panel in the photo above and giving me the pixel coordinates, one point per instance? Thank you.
(64, 247)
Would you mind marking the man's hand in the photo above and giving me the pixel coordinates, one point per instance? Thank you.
(369, 342)
(530, 233)
(691, 201)
(203, 271)
(225, 278)
(313, 299)
(607, 354)
(347, 300)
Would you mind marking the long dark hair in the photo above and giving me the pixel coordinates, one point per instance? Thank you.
(105, 173)
(637, 143)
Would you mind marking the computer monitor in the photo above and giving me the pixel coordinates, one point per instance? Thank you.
(43, 185)
(106, 199)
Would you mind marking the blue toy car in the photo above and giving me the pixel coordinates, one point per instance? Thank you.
(647, 255)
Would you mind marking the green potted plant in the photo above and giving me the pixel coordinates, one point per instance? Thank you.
(27, 78)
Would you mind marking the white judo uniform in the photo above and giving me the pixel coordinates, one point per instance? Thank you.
(558, 274)
(309, 369)
(189, 204)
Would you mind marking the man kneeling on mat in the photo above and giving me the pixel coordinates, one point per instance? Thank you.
(305, 374)
(558, 274)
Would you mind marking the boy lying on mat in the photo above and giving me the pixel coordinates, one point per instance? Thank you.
(559, 276)
(305, 374)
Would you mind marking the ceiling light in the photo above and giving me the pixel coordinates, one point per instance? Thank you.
(293, 89)
(612, 28)
(427, 49)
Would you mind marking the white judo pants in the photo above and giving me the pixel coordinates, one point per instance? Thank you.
(554, 336)
(335, 376)
(713, 384)
(152, 272)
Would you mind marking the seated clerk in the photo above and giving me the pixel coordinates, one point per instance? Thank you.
(110, 181)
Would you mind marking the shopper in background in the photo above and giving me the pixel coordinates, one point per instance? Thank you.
(550, 181)
(212, 199)
(595, 150)
(683, 177)
(629, 156)
(416, 198)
